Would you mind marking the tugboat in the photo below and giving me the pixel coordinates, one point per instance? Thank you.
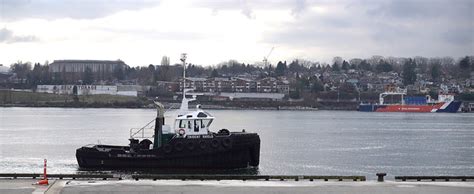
(190, 144)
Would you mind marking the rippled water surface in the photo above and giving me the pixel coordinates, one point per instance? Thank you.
(293, 142)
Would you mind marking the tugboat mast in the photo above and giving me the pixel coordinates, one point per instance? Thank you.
(184, 103)
(183, 59)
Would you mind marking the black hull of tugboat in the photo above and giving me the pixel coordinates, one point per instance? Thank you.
(237, 150)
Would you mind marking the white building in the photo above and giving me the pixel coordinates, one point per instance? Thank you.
(4, 69)
(267, 96)
(88, 90)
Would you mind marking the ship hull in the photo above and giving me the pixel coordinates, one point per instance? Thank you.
(449, 107)
(237, 150)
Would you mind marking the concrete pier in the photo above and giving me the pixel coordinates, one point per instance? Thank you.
(231, 186)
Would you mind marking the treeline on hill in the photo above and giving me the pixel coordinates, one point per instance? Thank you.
(303, 71)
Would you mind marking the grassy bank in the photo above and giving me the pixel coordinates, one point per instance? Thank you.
(32, 99)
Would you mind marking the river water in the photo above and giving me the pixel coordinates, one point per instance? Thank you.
(292, 142)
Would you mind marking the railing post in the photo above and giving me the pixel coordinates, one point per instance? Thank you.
(380, 176)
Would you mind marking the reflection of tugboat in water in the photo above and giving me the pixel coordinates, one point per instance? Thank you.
(395, 100)
(189, 145)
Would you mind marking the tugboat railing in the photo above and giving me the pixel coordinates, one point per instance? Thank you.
(142, 130)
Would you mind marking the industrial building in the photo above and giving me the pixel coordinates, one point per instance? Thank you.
(73, 70)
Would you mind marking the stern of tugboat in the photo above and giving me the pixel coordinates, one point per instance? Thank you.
(255, 153)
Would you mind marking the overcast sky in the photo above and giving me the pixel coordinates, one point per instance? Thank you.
(140, 32)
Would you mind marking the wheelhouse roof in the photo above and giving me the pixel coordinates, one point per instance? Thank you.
(199, 114)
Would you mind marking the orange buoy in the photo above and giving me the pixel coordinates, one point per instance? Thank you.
(44, 181)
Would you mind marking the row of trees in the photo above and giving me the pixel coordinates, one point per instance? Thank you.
(32, 75)
(437, 68)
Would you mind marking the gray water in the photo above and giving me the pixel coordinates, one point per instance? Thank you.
(292, 142)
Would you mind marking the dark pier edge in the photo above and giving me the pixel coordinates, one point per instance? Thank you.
(185, 177)
(435, 178)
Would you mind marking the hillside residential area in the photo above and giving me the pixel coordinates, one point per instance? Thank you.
(298, 84)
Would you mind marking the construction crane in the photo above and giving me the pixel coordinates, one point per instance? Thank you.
(265, 59)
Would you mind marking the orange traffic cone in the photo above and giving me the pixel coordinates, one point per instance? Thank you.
(44, 181)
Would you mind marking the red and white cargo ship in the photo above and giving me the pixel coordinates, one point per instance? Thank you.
(398, 101)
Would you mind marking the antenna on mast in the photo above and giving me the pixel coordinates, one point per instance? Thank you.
(183, 59)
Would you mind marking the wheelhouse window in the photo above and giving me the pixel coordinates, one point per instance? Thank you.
(206, 122)
(182, 124)
(202, 124)
(201, 114)
(189, 125)
(197, 124)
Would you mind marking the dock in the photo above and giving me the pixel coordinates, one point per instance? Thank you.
(210, 184)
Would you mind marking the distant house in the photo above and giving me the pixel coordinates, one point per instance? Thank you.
(196, 83)
(267, 85)
(4, 69)
(5, 74)
(6, 77)
(273, 85)
(165, 86)
(244, 85)
(236, 84)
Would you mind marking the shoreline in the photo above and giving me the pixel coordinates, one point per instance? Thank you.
(27, 99)
(169, 107)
